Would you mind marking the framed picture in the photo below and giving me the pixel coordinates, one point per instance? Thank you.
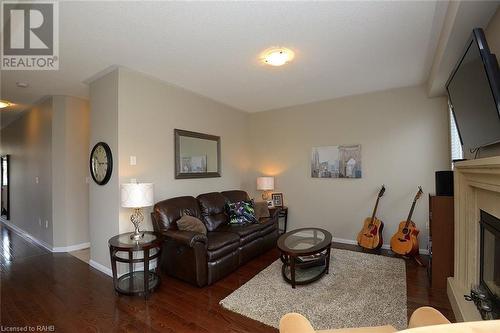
(342, 161)
(277, 199)
(270, 204)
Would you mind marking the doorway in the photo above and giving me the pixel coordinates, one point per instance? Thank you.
(4, 185)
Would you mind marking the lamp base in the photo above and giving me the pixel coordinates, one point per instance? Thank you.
(137, 236)
(136, 218)
(266, 195)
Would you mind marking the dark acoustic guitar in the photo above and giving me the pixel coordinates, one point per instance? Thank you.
(405, 240)
(370, 237)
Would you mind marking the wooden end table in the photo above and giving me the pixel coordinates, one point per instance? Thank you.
(140, 282)
(282, 213)
(305, 254)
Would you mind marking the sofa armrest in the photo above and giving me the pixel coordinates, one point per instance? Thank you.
(295, 323)
(189, 238)
(426, 316)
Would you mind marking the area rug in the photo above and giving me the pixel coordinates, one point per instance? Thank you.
(360, 290)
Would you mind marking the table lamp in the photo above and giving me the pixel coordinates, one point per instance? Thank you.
(137, 196)
(265, 184)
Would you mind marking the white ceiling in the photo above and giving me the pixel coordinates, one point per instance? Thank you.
(212, 48)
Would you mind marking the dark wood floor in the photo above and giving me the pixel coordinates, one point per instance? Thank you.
(42, 288)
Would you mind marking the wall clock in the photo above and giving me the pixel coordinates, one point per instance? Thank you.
(101, 163)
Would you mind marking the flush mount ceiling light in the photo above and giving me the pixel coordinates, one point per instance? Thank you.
(4, 104)
(277, 56)
(22, 84)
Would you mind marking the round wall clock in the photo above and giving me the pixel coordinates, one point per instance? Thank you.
(101, 163)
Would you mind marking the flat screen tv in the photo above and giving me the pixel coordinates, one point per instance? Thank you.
(474, 93)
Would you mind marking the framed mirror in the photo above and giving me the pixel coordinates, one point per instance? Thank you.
(4, 185)
(197, 155)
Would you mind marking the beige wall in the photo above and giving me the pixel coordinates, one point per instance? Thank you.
(149, 111)
(28, 141)
(50, 142)
(70, 142)
(104, 201)
(404, 139)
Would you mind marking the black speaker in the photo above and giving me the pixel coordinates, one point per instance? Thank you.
(444, 183)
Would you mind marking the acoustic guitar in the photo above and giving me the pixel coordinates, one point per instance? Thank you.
(370, 237)
(405, 240)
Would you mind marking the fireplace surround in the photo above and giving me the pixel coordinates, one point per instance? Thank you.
(489, 272)
(477, 188)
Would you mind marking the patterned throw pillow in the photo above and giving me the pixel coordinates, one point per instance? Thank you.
(241, 212)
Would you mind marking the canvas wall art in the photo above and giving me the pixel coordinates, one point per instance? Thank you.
(342, 161)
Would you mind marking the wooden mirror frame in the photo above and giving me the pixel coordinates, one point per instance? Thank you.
(177, 142)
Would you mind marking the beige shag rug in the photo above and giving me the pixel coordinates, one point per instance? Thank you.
(360, 290)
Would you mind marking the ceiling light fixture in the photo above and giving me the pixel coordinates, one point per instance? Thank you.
(277, 56)
(22, 84)
(4, 104)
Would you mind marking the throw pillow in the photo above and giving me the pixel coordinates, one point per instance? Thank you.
(241, 212)
(261, 209)
(191, 223)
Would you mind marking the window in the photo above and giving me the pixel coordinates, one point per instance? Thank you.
(456, 145)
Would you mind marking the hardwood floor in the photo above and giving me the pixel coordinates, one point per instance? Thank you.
(43, 288)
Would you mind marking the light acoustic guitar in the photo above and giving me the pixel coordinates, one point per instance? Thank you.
(405, 240)
(370, 237)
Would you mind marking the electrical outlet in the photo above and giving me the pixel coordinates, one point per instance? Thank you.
(46, 224)
(133, 160)
(37, 180)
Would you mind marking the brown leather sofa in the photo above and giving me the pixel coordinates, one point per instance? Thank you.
(203, 259)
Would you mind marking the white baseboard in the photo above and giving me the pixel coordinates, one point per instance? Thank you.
(71, 248)
(384, 246)
(30, 238)
(101, 268)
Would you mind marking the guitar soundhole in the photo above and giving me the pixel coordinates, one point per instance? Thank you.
(405, 230)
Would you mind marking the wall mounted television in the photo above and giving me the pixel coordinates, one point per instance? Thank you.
(474, 94)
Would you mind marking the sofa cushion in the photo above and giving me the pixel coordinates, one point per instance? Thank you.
(267, 225)
(235, 195)
(212, 206)
(242, 230)
(167, 212)
(246, 233)
(217, 239)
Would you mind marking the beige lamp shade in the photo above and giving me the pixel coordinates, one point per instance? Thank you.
(137, 195)
(265, 183)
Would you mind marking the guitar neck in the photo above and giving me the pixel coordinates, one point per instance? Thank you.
(375, 209)
(408, 220)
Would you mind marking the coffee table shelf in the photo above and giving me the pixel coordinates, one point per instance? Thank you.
(305, 254)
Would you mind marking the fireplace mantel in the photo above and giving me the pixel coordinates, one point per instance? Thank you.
(477, 186)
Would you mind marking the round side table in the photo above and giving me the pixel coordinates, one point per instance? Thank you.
(140, 282)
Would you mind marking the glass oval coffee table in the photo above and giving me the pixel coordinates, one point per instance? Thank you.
(305, 254)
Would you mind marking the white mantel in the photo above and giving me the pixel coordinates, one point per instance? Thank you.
(477, 186)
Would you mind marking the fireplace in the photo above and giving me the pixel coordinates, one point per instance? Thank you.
(489, 274)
